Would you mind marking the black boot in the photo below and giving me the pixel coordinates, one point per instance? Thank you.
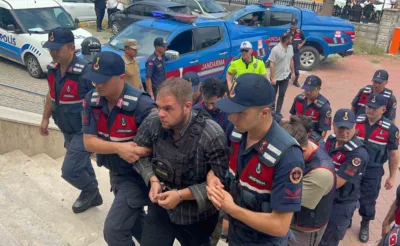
(351, 223)
(296, 82)
(364, 231)
(87, 199)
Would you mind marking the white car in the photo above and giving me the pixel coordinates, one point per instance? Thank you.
(24, 27)
(204, 8)
(82, 10)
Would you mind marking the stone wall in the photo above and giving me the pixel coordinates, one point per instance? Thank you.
(389, 20)
(367, 32)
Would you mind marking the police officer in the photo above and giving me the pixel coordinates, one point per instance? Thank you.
(186, 146)
(393, 214)
(381, 137)
(313, 104)
(299, 39)
(112, 114)
(265, 170)
(255, 20)
(379, 82)
(319, 186)
(213, 90)
(194, 79)
(67, 89)
(246, 63)
(90, 47)
(155, 67)
(350, 157)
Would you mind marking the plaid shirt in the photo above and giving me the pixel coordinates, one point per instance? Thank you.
(211, 152)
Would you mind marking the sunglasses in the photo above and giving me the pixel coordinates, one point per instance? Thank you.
(244, 51)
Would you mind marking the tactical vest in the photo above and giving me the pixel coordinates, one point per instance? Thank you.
(376, 143)
(296, 38)
(313, 111)
(251, 189)
(67, 106)
(122, 129)
(312, 219)
(363, 98)
(173, 162)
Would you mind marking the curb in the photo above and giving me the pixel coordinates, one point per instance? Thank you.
(91, 23)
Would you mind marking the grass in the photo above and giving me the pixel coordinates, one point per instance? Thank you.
(375, 61)
(361, 47)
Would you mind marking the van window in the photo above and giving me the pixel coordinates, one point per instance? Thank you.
(280, 18)
(6, 18)
(207, 36)
(183, 43)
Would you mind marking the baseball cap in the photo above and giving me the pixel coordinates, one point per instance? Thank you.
(193, 78)
(248, 90)
(131, 43)
(58, 37)
(344, 118)
(376, 101)
(160, 42)
(311, 83)
(105, 65)
(380, 76)
(246, 45)
(294, 21)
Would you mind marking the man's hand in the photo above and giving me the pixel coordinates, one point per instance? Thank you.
(213, 180)
(389, 183)
(273, 81)
(225, 226)
(169, 199)
(292, 78)
(385, 228)
(44, 131)
(127, 152)
(142, 151)
(221, 198)
(299, 46)
(155, 190)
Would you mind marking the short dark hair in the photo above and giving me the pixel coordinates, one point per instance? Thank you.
(177, 87)
(297, 127)
(213, 87)
(285, 36)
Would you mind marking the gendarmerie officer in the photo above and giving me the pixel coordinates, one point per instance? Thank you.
(350, 157)
(319, 186)
(379, 82)
(393, 215)
(91, 46)
(299, 39)
(313, 104)
(392, 238)
(155, 67)
(265, 169)
(186, 146)
(112, 114)
(381, 137)
(67, 90)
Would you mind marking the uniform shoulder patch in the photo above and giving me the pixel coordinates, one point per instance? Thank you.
(301, 96)
(296, 175)
(329, 114)
(356, 161)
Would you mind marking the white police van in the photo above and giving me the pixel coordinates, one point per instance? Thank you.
(24, 27)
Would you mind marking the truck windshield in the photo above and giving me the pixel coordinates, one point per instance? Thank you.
(235, 15)
(44, 19)
(144, 35)
(211, 6)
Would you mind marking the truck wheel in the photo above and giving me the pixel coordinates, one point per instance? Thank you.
(309, 58)
(115, 27)
(33, 66)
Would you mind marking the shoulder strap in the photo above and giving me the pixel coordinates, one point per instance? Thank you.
(361, 118)
(195, 130)
(367, 89)
(387, 93)
(301, 96)
(94, 98)
(385, 123)
(321, 101)
(131, 98)
(353, 144)
(277, 142)
(235, 136)
(77, 68)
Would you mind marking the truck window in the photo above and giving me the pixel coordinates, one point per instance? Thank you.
(255, 19)
(280, 18)
(207, 36)
(136, 9)
(183, 43)
(6, 18)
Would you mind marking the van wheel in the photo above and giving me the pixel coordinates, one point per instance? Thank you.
(33, 66)
(115, 27)
(309, 58)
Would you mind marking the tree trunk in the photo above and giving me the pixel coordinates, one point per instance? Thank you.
(327, 7)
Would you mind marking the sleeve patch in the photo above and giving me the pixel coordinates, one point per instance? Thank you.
(151, 63)
(356, 161)
(85, 118)
(296, 175)
(351, 171)
(329, 114)
(292, 194)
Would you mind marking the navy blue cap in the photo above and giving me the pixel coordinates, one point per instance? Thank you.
(105, 65)
(160, 42)
(376, 101)
(380, 76)
(248, 90)
(58, 37)
(344, 118)
(311, 83)
(193, 78)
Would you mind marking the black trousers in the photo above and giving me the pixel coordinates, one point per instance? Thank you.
(109, 13)
(159, 230)
(99, 17)
(282, 86)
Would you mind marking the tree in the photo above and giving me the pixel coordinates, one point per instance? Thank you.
(327, 7)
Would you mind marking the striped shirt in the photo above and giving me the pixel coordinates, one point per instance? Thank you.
(211, 152)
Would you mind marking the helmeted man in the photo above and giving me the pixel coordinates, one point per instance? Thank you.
(67, 90)
(111, 115)
(350, 157)
(381, 138)
(379, 82)
(265, 168)
(299, 39)
(313, 104)
(319, 186)
(90, 47)
(155, 67)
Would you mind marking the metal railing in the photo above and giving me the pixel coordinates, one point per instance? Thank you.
(316, 7)
(357, 14)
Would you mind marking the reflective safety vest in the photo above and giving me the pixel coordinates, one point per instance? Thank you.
(67, 105)
(251, 189)
(313, 219)
(376, 143)
(122, 129)
(363, 98)
(313, 111)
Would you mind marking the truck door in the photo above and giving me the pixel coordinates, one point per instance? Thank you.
(277, 22)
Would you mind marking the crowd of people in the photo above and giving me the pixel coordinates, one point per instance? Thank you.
(211, 158)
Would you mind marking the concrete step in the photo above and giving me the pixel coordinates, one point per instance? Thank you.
(60, 219)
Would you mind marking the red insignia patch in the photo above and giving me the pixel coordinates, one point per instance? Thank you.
(351, 171)
(262, 146)
(151, 63)
(84, 104)
(296, 175)
(120, 102)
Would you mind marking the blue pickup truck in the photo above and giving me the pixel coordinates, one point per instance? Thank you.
(325, 35)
